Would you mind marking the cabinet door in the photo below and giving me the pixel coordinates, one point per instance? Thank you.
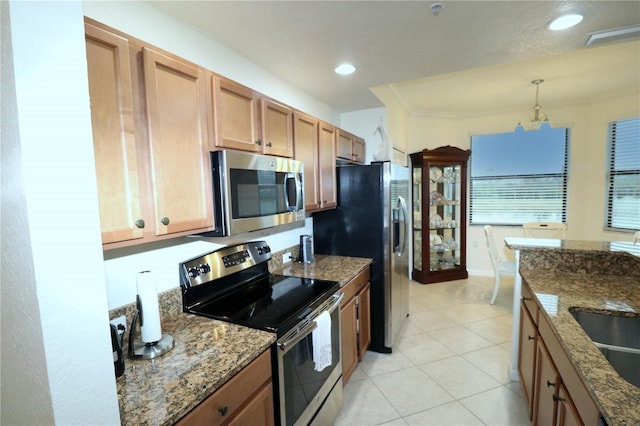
(358, 150)
(567, 413)
(178, 143)
(258, 411)
(546, 384)
(343, 145)
(113, 135)
(327, 165)
(364, 320)
(306, 148)
(277, 128)
(348, 318)
(236, 115)
(527, 356)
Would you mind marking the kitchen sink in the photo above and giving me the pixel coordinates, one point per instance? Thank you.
(617, 335)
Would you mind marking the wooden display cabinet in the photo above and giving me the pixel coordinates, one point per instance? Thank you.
(439, 179)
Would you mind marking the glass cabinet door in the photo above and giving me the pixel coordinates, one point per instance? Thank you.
(417, 217)
(444, 217)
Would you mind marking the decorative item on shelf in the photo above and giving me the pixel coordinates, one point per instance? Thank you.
(435, 221)
(435, 174)
(436, 198)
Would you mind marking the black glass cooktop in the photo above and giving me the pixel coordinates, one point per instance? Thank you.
(275, 303)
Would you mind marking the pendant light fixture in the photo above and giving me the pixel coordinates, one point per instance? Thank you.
(538, 116)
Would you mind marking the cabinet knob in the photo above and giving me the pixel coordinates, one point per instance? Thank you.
(557, 398)
(259, 142)
(269, 144)
(550, 384)
(223, 410)
(165, 221)
(531, 337)
(525, 298)
(139, 223)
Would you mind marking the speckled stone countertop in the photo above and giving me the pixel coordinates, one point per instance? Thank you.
(333, 268)
(162, 390)
(594, 276)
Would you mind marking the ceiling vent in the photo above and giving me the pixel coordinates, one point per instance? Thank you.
(613, 35)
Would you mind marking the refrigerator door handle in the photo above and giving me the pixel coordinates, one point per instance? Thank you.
(404, 231)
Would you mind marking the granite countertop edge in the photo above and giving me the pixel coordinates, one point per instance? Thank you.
(556, 292)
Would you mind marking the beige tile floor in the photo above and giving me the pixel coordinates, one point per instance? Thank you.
(448, 367)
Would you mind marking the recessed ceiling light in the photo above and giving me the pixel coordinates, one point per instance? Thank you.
(564, 22)
(345, 69)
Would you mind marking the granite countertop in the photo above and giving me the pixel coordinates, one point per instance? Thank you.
(207, 353)
(573, 245)
(557, 291)
(333, 268)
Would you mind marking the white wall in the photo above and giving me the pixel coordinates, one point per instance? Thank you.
(587, 162)
(363, 123)
(57, 366)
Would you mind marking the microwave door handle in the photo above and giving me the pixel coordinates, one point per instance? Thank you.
(287, 178)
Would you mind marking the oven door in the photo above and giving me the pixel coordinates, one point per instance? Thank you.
(302, 389)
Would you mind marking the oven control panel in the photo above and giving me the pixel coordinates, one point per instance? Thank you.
(223, 262)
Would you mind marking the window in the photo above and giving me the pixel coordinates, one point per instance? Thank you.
(519, 177)
(623, 175)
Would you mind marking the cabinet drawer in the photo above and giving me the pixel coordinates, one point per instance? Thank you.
(529, 302)
(223, 403)
(354, 286)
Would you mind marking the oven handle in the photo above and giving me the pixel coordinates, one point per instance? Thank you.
(285, 346)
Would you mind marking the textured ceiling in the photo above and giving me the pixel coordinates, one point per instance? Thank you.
(401, 44)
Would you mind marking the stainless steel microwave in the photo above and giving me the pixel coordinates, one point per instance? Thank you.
(252, 192)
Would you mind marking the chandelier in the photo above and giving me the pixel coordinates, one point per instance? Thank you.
(538, 116)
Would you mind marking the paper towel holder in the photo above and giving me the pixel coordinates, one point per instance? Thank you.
(149, 350)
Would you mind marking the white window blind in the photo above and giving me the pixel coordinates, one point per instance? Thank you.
(519, 177)
(623, 175)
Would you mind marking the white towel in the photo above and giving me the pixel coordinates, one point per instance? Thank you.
(321, 337)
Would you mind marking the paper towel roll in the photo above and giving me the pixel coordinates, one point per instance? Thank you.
(150, 328)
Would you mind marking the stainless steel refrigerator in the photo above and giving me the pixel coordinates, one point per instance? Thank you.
(372, 221)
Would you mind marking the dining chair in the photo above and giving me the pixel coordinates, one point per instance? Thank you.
(500, 267)
(545, 229)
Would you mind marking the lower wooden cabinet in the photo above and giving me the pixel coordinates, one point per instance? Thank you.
(553, 389)
(246, 399)
(527, 348)
(355, 322)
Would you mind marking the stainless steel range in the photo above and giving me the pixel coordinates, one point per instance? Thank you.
(234, 284)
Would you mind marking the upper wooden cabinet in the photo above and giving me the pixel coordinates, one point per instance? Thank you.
(327, 165)
(114, 141)
(276, 128)
(350, 147)
(236, 115)
(315, 147)
(149, 115)
(248, 121)
(176, 98)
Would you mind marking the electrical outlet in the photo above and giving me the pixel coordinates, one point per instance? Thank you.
(286, 257)
(120, 323)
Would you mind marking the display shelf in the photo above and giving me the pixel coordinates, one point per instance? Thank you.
(439, 214)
